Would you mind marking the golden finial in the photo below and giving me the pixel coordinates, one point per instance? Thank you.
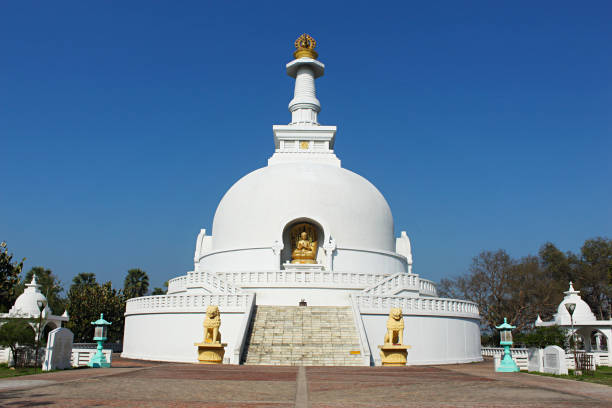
(305, 46)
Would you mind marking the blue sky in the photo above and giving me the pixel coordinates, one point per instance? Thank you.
(486, 125)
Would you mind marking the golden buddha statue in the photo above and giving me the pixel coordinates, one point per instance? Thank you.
(304, 244)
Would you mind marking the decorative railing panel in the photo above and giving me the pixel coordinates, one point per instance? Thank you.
(186, 303)
(402, 281)
(211, 281)
(427, 287)
(370, 303)
(300, 278)
(178, 284)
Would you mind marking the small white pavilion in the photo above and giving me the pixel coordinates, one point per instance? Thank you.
(26, 306)
(585, 324)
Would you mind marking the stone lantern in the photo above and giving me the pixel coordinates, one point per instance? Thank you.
(98, 360)
(507, 364)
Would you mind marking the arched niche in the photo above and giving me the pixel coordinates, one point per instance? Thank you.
(599, 341)
(285, 255)
(45, 332)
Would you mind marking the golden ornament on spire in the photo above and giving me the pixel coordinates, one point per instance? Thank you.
(305, 46)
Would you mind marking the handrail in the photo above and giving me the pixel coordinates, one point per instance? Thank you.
(212, 282)
(363, 338)
(243, 332)
(400, 281)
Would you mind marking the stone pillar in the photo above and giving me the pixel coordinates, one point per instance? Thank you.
(598, 337)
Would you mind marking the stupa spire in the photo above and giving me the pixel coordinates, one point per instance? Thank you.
(304, 139)
(305, 68)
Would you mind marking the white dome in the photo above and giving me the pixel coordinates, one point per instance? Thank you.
(254, 215)
(27, 302)
(255, 210)
(582, 313)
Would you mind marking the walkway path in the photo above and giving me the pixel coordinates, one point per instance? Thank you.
(147, 384)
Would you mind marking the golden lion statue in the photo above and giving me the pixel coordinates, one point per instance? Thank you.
(395, 327)
(211, 325)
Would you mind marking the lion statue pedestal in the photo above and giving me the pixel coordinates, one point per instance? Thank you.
(211, 350)
(393, 352)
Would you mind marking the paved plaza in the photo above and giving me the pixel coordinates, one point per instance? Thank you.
(133, 383)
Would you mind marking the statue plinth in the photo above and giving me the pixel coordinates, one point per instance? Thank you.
(393, 354)
(303, 267)
(210, 353)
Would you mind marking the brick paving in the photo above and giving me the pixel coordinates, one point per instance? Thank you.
(134, 383)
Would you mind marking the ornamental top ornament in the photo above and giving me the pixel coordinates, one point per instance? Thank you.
(305, 46)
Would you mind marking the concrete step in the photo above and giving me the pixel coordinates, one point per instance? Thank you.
(303, 335)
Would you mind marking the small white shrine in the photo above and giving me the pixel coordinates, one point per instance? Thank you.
(27, 306)
(303, 230)
(596, 334)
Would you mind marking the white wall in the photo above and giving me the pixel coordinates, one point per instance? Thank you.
(292, 296)
(434, 339)
(170, 336)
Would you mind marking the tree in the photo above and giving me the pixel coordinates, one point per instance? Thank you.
(84, 279)
(560, 266)
(593, 270)
(9, 278)
(86, 302)
(15, 333)
(503, 287)
(484, 284)
(136, 283)
(50, 286)
(160, 291)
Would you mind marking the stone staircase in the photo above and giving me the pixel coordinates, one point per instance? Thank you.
(305, 336)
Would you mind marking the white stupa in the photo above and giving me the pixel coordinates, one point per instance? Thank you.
(302, 229)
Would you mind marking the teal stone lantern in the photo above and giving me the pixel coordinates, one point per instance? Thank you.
(98, 360)
(507, 364)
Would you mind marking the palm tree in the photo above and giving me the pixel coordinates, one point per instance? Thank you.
(136, 283)
(83, 279)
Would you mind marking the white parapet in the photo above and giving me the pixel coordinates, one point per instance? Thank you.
(452, 327)
(421, 306)
(165, 327)
(186, 303)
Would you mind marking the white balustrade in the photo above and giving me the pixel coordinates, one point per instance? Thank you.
(519, 355)
(495, 351)
(178, 284)
(211, 281)
(402, 281)
(230, 282)
(377, 304)
(186, 303)
(300, 278)
(427, 287)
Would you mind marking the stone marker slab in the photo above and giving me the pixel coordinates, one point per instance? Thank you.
(535, 358)
(59, 350)
(554, 360)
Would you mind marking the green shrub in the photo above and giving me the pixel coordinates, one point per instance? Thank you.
(542, 336)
